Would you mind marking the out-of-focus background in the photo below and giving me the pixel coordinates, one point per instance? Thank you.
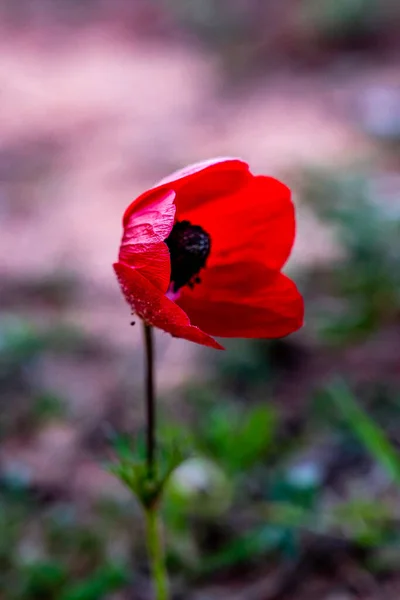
(295, 491)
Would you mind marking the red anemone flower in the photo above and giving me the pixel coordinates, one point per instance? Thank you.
(202, 252)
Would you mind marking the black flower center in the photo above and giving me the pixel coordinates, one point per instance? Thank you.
(189, 246)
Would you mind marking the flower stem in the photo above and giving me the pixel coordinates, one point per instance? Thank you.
(150, 401)
(156, 553)
(153, 523)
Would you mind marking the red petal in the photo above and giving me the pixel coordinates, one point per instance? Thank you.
(200, 182)
(255, 224)
(154, 263)
(221, 163)
(273, 310)
(156, 309)
(207, 182)
(145, 230)
(150, 219)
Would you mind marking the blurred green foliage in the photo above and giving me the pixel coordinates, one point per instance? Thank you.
(345, 20)
(249, 36)
(236, 437)
(53, 554)
(24, 404)
(360, 293)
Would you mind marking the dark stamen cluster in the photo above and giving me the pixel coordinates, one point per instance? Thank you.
(189, 246)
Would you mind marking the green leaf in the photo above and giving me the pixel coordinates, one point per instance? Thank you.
(106, 580)
(238, 438)
(43, 579)
(367, 431)
(246, 548)
(255, 435)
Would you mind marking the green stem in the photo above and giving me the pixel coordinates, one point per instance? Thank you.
(154, 539)
(156, 553)
(150, 401)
